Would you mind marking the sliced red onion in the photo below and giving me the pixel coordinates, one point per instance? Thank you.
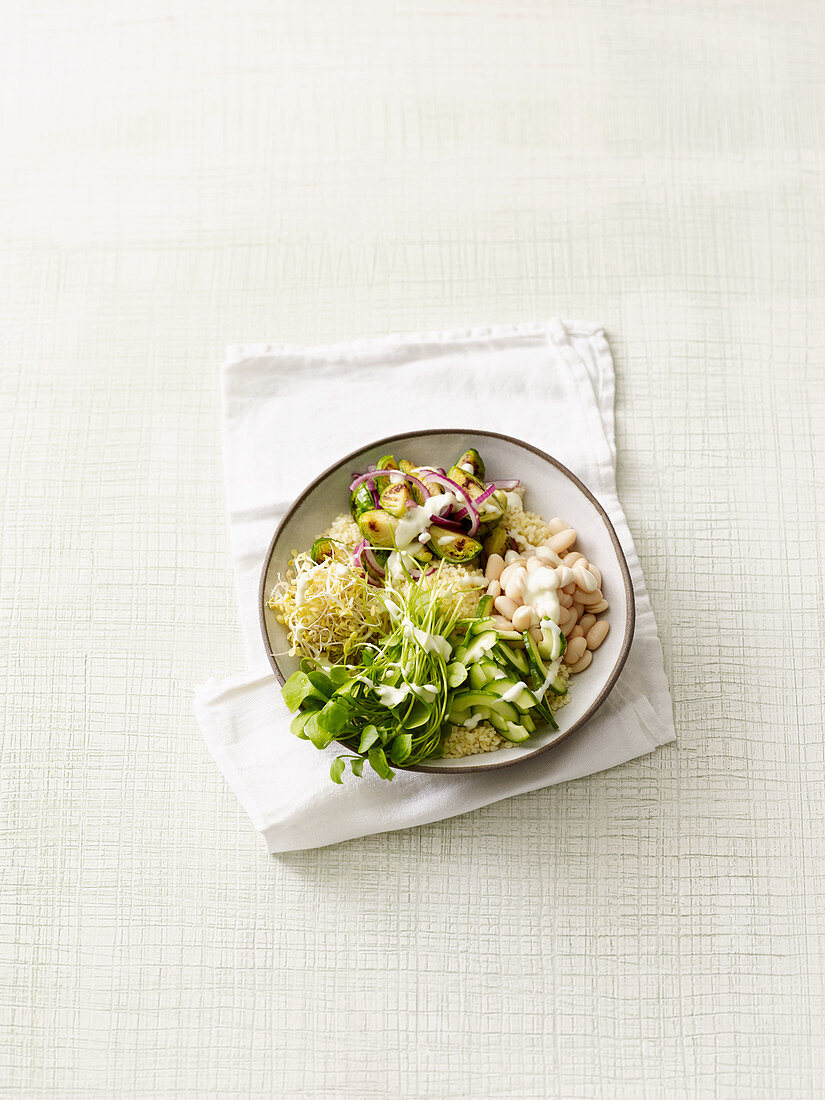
(455, 488)
(488, 492)
(512, 484)
(373, 564)
(371, 475)
(450, 524)
(358, 551)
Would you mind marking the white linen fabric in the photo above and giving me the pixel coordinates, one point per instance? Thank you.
(291, 412)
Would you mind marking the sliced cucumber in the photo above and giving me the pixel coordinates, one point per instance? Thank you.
(524, 699)
(515, 732)
(513, 658)
(477, 677)
(476, 647)
(466, 701)
(485, 607)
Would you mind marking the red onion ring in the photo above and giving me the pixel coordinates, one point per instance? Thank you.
(454, 487)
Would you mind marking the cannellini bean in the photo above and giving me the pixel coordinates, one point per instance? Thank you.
(565, 575)
(597, 634)
(584, 578)
(494, 568)
(589, 598)
(571, 559)
(515, 586)
(511, 556)
(576, 632)
(511, 569)
(533, 564)
(536, 634)
(587, 621)
(567, 620)
(594, 570)
(562, 541)
(523, 618)
(575, 650)
(556, 525)
(578, 607)
(494, 589)
(597, 608)
(505, 606)
(501, 623)
(565, 600)
(570, 588)
(581, 665)
(547, 555)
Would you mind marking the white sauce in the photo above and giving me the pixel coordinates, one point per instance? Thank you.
(430, 643)
(418, 519)
(301, 586)
(471, 722)
(391, 696)
(552, 673)
(540, 593)
(514, 692)
(467, 468)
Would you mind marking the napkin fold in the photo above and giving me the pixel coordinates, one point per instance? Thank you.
(291, 412)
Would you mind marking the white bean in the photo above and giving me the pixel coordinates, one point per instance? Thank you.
(523, 618)
(510, 571)
(571, 559)
(564, 600)
(533, 564)
(566, 575)
(589, 598)
(494, 568)
(597, 634)
(575, 650)
(501, 623)
(547, 555)
(505, 606)
(515, 586)
(597, 608)
(562, 541)
(536, 634)
(594, 570)
(576, 632)
(511, 556)
(556, 525)
(581, 665)
(587, 621)
(494, 589)
(584, 578)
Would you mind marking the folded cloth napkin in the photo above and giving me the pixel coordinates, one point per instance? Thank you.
(290, 413)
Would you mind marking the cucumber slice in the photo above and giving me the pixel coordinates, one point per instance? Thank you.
(466, 701)
(476, 647)
(515, 732)
(514, 658)
(485, 607)
(524, 699)
(477, 677)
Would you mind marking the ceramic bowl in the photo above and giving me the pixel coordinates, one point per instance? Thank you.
(551, 490)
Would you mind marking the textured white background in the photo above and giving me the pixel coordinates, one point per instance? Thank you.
(180, 176)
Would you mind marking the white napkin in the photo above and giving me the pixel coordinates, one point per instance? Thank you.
(290, 413)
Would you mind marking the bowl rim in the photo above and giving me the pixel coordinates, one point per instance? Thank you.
(630, 622)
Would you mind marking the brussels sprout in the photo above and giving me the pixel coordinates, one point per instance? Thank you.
(474, 460)
(360, 501)
(378, 527)
(452, 545)
(499, 542)
(324, 548)
(395, 499)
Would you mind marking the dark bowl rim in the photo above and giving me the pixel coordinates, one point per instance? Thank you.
(630, 624)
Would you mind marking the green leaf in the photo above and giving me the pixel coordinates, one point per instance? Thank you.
(418, 714)
(318, 736)
(378, 763)
(333, 717)
(456, 674)
(337, 769)
(401, 748)
(321, 682)
(357, 766)
(297, 688)
(369, 736)
(299, 721)
(339, 674)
